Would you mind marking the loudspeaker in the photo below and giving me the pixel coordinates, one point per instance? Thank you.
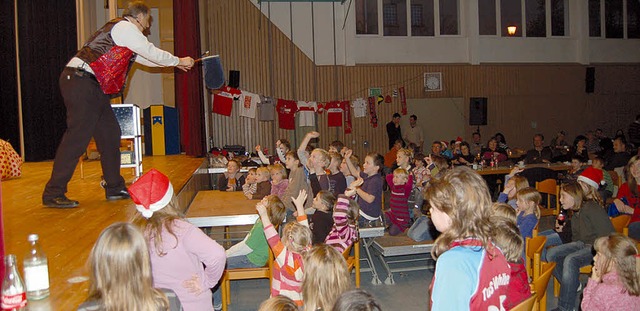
(234, 78)
(478, 111)
(590, 79)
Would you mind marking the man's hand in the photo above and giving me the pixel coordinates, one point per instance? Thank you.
(185, 63)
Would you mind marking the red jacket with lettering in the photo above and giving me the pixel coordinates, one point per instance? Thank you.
(470, 277)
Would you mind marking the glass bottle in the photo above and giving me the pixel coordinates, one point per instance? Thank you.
(36, 271)
(14, 297)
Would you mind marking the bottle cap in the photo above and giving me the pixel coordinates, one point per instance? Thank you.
(32, 237)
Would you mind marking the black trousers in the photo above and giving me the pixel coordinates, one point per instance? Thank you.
(89, 114)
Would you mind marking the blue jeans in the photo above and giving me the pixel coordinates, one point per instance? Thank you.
(553, 239)
(569, 258)
(634, 230)
(232, 263)
(420, 230)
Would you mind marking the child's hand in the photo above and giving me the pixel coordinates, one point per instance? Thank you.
(515, 170)
(347, 152)
(428, 160)
(299, 201)
(258, 148)
(596, 274)
(261, 208)
(193, 285)
(356, 183)
(313, 134)
(278, 143)
(350, 191)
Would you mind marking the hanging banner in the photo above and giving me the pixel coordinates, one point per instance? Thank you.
(403, 101)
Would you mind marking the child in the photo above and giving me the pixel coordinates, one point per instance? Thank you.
(317, 166)
(591, 179)
(607, 191)
(322, 218)
(232, 179)
(326, 277)
(468, 263)
(345, 216)
(278, 303)
(120, 274)
(615, 277)
(370, 192)
(507, 237)
(297, 182)
(504, 210)
(344, 168)
(183, 258)
(263, 188)
(404, 159)
(336, 146)
(253, 250)
(528, 201)
(628, 198)
(513, 184)
(279, 181)
(250, 186)
(357, 300)
(337, 180)
(282, 147)
(296, 240)
(574, 171)
(400, 184)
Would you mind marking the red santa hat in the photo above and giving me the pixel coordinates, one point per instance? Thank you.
(444, 144)
(151, 192)
(592, 177)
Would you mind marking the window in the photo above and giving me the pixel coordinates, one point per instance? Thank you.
(594, 18)
(559, 17)
(394, 17)
(613, 19)
(536, 18)
(633, 19)
(487, 17)
(510, 15)
(367, 17)
(449, 17)
(422, 23)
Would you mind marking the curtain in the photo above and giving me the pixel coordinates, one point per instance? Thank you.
(188, 85)
(9, 130)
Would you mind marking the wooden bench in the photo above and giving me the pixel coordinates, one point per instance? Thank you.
(401, 245)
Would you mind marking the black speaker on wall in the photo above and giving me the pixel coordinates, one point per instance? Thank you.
(590, 79)
(234, 78)
(478, 111)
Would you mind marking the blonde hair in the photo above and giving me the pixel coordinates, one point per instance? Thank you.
(161, 220)
(400, 172)
(575, 191)
(120, 271)
(324, 155)
(621, 251)
(463, 195)
(531, 195)
(297, 237)
(326, 277)
(278, 168)
(278, 303)
(264, 172)
(407, 152)
(507, 237)
(275, 210)
(591, 193)
(503, 210)
(631, 181)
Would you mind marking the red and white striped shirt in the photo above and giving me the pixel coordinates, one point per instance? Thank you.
(343, 234)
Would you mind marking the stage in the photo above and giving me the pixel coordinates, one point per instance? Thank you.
(67, 235)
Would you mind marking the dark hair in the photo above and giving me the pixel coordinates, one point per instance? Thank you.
(286, 143)
(437, 142)
(134, 8)
(337, 144)
(501, 139)
(579, 138)
(539, 135)
(396, 115)
(356, 300)
(294, 155)
(416, 118)
(476, 133)
(378, 160)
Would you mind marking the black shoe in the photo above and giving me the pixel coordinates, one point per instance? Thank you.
(60, 202)
(120, 195)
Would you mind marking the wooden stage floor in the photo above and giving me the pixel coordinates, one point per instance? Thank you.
(67, 235)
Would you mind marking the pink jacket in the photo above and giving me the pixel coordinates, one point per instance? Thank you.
(610, 294)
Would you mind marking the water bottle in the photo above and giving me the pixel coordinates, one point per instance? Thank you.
(36, 271)
(14, 297)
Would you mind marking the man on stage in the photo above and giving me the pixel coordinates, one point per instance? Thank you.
(96, 74)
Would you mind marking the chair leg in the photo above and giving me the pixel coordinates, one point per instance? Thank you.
(225, 293)
(556, 287)
(357, 263)
(227, 286)
(543, 302)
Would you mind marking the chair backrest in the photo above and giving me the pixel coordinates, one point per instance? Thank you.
(526, 305)
(620, 222)
(347, 252)
(550, 188)
(547, 186)
(540, 284)
(533, 246)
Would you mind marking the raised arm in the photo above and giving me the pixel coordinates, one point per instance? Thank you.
(303, 146)
(263, 158)
(352, 168)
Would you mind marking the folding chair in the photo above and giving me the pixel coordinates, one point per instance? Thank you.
(550, 188)
(539, 285)
(243, 274)
(533, 250)
(353, 262)
(621, 224)
(526, 305)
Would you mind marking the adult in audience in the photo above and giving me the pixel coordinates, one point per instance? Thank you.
(413, 134)
(476, 143)
(502, 142)
(559, 147)
(579, 149)
(539, 153)
(634, 132)
(606, 143)
(437, 148)
(393, 130)
(465, 157)
(493, 152)
(619, 157)
(593, 143)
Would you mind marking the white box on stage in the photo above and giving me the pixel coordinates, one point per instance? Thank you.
(128, 116)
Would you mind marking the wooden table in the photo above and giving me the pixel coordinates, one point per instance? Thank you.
(214, 208)
(503, 170)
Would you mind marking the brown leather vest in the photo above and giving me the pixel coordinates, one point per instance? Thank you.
(110, 63)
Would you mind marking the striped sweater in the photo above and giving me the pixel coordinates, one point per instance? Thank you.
(287, 268)
(343, 234)
(399, 213)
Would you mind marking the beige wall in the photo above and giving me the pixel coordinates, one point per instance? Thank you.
(551, 96)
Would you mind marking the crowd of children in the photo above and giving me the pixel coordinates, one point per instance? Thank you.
(323, 196)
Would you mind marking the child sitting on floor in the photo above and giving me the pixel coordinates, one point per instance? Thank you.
(183, 258)
(279, 181)
(345, 220)
(528, 201)
(120, 274)
(400, 183)
(296, 240)
(263, 183)
(326, 277)
(232, 179)
(250, 186)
